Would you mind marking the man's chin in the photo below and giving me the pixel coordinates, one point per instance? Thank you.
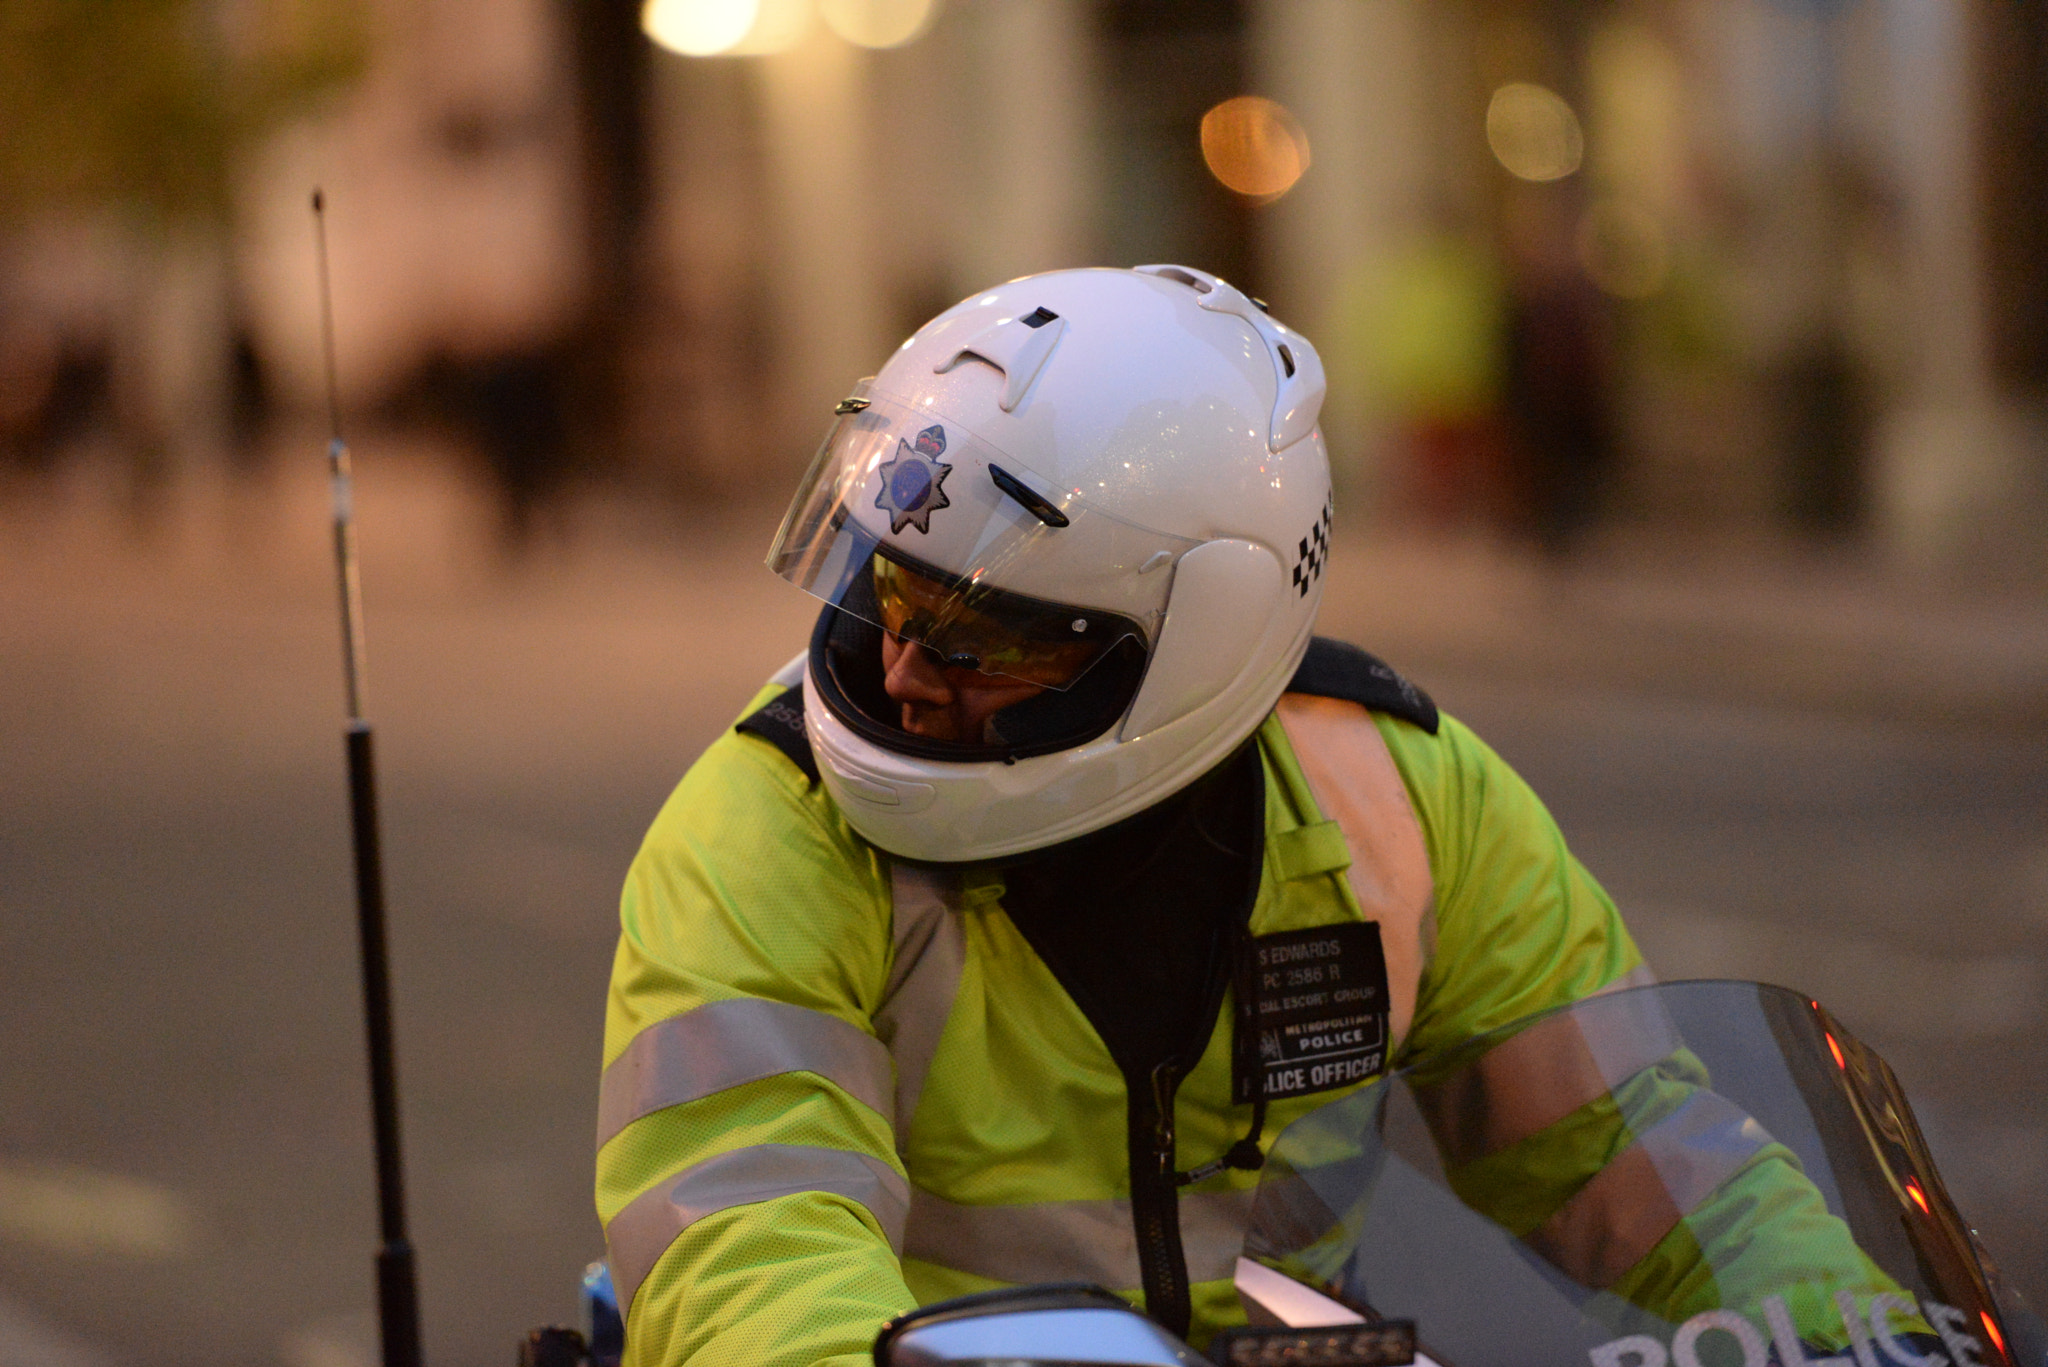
(930, 725)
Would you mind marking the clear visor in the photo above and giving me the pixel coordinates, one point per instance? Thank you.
(913, 524)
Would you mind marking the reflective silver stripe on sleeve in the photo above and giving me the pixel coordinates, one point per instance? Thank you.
(725, 1043)
(792, 674)
(1639, 976)
(1615, 1220)
(1051, 1241)
(1701, 1145)
(929, 953)
(639, 1234)
(1624, 1033)
(1533, 1079)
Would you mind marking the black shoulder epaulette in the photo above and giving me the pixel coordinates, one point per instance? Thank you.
(1338, 669)
(780, 722)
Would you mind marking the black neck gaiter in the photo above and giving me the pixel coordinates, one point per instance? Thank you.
(1138, 921)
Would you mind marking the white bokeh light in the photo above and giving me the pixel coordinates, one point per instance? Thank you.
(698, 28)
(778, 26)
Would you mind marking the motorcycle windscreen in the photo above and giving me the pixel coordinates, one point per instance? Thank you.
(1701, 1174)
(912, 523)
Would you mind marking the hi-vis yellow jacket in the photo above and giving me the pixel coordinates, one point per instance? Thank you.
(838, 1086)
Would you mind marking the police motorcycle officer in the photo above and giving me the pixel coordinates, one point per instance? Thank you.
(1065, 867)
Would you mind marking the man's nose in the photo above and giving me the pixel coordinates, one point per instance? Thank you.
(914, 676)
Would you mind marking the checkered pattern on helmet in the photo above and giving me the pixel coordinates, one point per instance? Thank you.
(1314, 552)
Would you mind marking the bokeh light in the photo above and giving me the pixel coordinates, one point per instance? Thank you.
(1254, 146)
(1533, 132)
(878, 23)
(778, 26)
(1623, 248)
(698, 28)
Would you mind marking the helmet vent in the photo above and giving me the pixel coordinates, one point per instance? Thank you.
(1034, 503)
(1179, 275)
(1297, 370)
(1017, 347)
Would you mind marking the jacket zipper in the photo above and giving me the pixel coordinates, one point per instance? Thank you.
(1155, 1178)
(1154, 1181)
(1155, 1202)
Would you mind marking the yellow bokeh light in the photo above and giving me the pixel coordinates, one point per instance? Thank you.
(877, 23)
(1254, 146)
(698, 28)
(1533, 132)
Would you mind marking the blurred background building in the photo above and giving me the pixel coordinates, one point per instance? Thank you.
(1734, 268)
(1689, 401)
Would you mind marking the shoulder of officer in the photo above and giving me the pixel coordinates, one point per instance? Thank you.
(1338, 669)
(780, 722)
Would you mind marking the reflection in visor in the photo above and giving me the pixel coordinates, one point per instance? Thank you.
(973, 625)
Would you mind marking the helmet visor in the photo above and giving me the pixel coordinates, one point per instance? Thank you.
(915, 525)
(973, 626)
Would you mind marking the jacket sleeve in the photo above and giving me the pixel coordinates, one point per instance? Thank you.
(1523, 928)
(1762, 1230)
(746, 1170)
(1520, 925)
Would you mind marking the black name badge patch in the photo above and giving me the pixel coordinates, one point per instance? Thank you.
(1311, 1011)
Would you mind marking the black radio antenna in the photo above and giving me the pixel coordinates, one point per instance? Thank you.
(398, 1313)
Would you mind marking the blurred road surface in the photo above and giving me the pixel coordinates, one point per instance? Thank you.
(1780, 774)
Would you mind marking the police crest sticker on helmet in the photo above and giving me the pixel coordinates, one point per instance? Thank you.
(914, 484)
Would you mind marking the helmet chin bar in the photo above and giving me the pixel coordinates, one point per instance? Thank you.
(966, 812)
(1226, 600)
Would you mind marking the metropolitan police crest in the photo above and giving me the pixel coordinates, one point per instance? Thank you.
(913, 483)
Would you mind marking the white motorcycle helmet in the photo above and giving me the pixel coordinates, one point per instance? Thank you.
(1105, 484)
